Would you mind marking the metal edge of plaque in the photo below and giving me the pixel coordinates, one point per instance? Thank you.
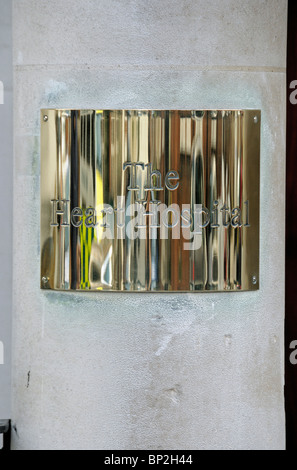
(150, 200)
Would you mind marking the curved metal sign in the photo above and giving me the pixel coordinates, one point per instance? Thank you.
(150, 200)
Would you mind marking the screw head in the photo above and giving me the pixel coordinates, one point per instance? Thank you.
(44, 281)
(255, 119)
(254, 280)
(199, 114)
(45, 118)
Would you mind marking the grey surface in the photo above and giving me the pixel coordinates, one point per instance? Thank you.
(148, 371)
(150, 33)
(6, 197)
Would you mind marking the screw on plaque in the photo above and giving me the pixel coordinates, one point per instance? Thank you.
(45, 281)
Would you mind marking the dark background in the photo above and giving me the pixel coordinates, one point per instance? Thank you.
(291, 233)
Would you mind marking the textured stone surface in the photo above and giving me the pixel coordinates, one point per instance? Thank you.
(150, 371)
(160, 33)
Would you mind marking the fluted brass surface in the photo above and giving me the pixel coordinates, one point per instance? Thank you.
(146, 200)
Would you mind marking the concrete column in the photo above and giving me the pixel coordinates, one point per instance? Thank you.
(148, 371)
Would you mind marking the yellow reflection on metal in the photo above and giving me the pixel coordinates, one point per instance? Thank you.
(150, 200)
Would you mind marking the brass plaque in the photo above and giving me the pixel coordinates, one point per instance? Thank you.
(146, 200)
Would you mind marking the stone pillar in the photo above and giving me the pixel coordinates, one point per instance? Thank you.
(148, 371)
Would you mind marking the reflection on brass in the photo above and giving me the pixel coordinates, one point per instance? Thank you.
(150, 200)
